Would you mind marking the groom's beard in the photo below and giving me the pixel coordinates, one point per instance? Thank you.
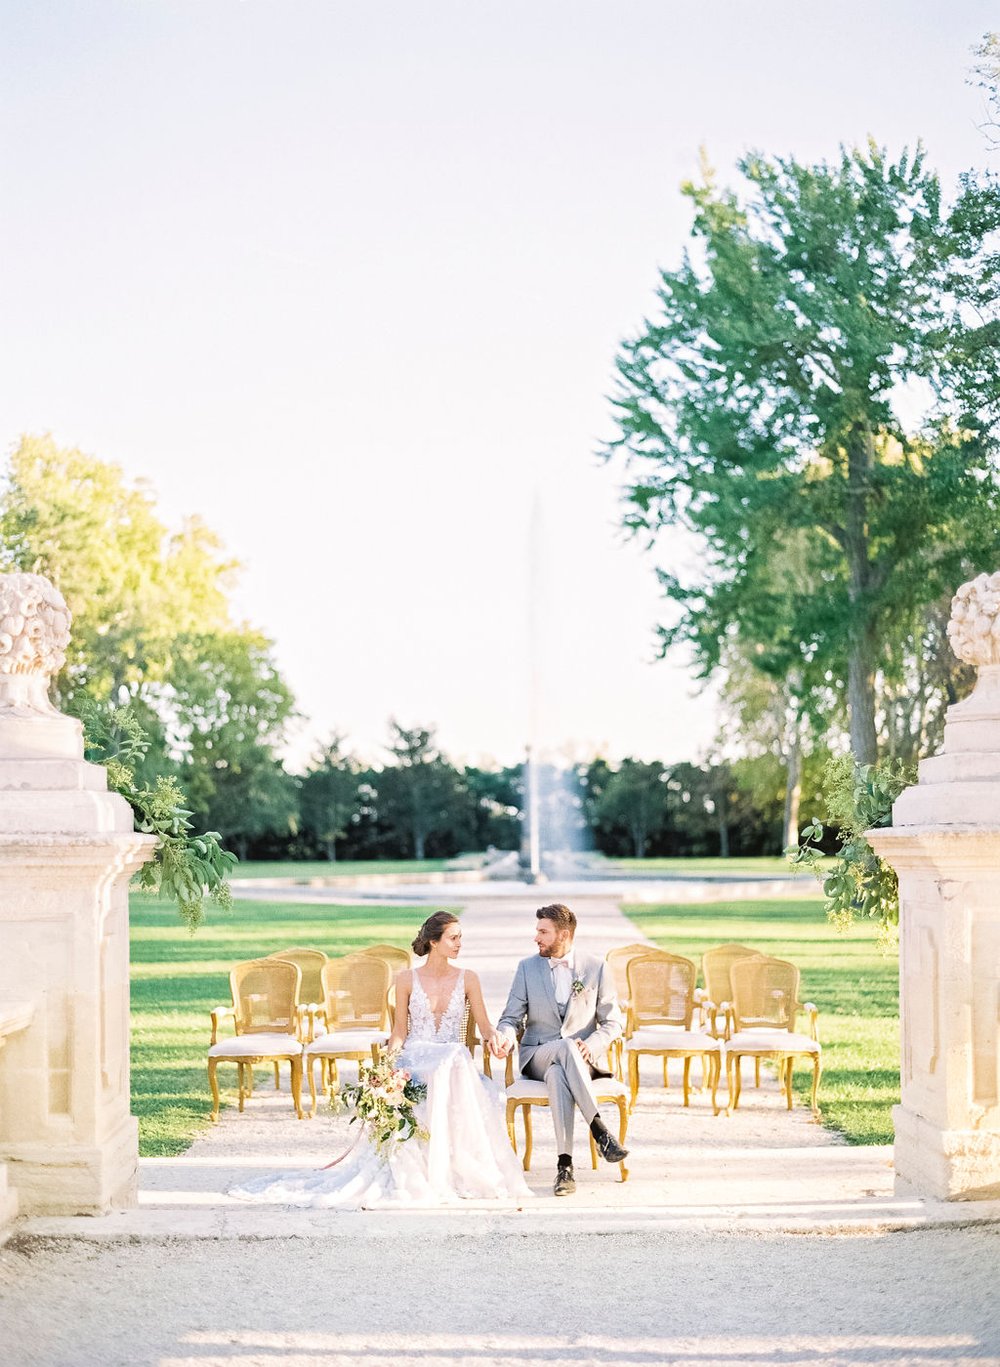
(553, 953)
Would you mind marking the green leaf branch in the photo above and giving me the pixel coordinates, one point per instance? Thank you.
(187, 866)
(859, 798)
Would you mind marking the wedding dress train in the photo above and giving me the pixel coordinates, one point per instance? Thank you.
(467, 1157)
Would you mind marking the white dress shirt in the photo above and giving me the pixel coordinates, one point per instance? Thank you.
(562, 978)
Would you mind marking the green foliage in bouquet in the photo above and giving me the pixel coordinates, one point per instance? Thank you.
(383, 1099)
(859, 798)
(187, 866)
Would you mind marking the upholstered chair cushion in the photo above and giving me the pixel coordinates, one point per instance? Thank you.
(765, 1041)
(346, 1042)
(263, 1045)
(527, 1089)
(693, 1040)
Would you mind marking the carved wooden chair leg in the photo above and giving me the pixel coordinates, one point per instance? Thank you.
(715, 1068)
(633, 1077)
(277, 1076)
(622, 1132)
(738, 1083)
(213, 1083)
(527, 1137)
(817, 1069)
(511, 1117)
(593, 1153)
(296, 1067)
(687, 1080)
(756, 1071)
(666, 1076)
(311, 1071)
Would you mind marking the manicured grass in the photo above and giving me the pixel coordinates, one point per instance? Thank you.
(323, 868)
(854, 984)
(763, 865)
(177, 978)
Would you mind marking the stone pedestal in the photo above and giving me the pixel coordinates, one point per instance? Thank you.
(944, 844)
(67, 851)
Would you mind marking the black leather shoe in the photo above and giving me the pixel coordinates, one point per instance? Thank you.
(609, 1148)
(565, 1183)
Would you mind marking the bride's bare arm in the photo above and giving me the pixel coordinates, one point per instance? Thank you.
(404, 980)
(477, 1006)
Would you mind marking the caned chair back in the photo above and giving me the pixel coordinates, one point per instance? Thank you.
(265, 996)
(356, 992)
(765, 993)
(311, 962)
(396, 958)
(715, 966)
(661, 990)
(618, 961)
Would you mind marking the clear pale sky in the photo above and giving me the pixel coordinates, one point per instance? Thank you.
(348, 280)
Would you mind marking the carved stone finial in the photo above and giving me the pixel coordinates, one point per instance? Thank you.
(34, 625)
(34, 634)
(974, 628)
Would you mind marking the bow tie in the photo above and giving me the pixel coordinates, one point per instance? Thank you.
(559, 963)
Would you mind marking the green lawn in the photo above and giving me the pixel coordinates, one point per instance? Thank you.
(762, 865)
(323, 868)
(178, 977)
(854, 985)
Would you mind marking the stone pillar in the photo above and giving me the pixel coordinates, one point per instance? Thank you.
(944, 844)
(67, 850)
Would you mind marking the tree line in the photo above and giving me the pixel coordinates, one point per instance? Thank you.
(153, 631)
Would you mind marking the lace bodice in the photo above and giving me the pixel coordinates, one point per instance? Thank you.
(421, 1023)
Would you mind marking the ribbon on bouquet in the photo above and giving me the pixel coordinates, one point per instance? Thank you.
(349, 1150)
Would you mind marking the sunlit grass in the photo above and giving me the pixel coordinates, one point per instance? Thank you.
(760, 865)
(177, 978)
(322, 868)
(854, 985)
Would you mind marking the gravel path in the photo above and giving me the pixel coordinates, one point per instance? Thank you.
(613, 1301)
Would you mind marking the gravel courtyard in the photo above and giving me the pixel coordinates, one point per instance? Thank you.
(626, 1300)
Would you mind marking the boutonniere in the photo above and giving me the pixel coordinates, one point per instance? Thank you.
(576, 987)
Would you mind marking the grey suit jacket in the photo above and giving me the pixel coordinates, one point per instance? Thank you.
(592, 1015)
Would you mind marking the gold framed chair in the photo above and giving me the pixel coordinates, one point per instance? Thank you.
(715, 966)
(524, 1092)
(265, 1000)
(661, 1011)
(311, 962)
(762, 1024)
(618, 961)
(355, 1015)
(397, 959)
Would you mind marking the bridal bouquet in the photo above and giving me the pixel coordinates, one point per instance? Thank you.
(383, 1099)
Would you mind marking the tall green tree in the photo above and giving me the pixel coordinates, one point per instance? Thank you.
(132, 585)
(636, 798)
(756, 409)
(329, 796)
(228, 712)
(421, 796)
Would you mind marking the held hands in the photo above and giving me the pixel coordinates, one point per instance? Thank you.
(498, 1045)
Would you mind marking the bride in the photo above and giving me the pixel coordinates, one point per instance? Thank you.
(467, 1154)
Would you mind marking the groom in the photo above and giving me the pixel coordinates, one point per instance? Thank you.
(564, 1002)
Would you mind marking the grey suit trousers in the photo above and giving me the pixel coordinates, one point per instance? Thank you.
(566, 1074)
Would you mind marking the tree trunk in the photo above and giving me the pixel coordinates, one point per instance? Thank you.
(418, 844)
(639, 843)
(793, 791)
(861, 657)
(861, 696)
(241, 842)
(722, 812)
(331, 851)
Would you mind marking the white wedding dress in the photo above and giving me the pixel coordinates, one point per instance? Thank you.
(467, 1157)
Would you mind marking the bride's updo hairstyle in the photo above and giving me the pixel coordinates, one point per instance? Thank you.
(431, 931)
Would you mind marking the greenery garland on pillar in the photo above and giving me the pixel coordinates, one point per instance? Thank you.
(859, 798)
(187, 866)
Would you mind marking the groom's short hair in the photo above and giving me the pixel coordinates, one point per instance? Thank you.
(561, 915)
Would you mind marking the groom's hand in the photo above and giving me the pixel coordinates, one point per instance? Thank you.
(584, 1050)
